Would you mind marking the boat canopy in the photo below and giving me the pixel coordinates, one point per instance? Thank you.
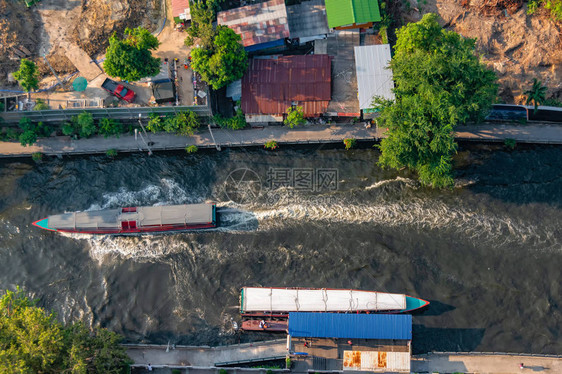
(258, 299)
(191, 214)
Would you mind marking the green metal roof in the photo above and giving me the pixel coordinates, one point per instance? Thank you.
(347, 12)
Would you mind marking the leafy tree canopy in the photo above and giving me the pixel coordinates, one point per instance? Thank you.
(33, 341)
(27, 75)
(202, 16)
(225, 62)
(440, 83)
(130, 58)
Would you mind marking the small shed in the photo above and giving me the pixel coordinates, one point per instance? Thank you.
(261, 26)
(164, 91)
(181, 11)
(350, 326)
(344, 14)
(374, 77)
(370, 342)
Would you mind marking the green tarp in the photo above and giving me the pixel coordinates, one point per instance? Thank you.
(348, 12)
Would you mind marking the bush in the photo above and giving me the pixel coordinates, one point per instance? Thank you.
(295, 117)
(8, 133)
(31, 131)
(349, 143)
(187, 122)
(191, 149)
(40, 105)
(155, 123)
(68, 129)
(272, 144)
(238, 122)
(27, 138)
(510, 143)
(37, 156)
(222, 371)
(288, 362)
(111, 153)
(554, 6)
(110, 127)
(85, 124)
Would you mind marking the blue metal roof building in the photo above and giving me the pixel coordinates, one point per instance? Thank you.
(350, 326)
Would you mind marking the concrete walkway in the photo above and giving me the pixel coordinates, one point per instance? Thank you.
(541, 133)
(485, 363)
(225, 138)
(535, 133)
(156, 355)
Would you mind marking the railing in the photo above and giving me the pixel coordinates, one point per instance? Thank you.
(99, 113)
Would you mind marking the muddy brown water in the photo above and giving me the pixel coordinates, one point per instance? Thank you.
(487, 253)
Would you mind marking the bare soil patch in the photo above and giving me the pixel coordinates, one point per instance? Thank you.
(88, 23)
(16, 21)
(518, 46)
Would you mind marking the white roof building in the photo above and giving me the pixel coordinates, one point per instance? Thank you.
(374, 77)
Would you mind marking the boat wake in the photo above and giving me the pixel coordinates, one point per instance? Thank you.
(478, 225)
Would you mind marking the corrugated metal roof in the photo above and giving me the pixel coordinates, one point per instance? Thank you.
(307, 19)
(180, 7)
(271, 85)
(374, 78)
(347, 12)
(373, 360)
(258, 23)
(350, 326)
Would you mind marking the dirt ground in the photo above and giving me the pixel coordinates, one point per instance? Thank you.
(519, 47)
(41, 28)
(172, 46)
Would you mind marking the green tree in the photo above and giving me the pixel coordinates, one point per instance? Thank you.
(202, 16)
(130, 58)
(440, 83)
(537, 94)
(33, 341)
(295, 117)
(223, 62)
(27, 76)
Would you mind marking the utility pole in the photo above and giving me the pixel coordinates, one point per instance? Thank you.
(218, 147)
(144, 141)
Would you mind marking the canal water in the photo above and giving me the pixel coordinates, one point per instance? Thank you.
(487, 253)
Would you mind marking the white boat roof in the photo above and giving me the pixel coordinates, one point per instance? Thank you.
(259, 299)
(144, 216)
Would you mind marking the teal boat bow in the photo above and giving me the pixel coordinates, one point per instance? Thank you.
(44, 224)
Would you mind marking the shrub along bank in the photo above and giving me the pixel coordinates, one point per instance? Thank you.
(85, 126)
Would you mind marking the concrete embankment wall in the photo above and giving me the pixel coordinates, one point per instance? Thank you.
(535, 133)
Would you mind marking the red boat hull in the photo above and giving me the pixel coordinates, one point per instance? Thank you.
(269, 326)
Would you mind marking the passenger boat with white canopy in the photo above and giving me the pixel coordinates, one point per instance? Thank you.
(133, 220)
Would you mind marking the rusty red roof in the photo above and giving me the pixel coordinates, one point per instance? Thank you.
(271, 85)
(179, 7)
(258, 23)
